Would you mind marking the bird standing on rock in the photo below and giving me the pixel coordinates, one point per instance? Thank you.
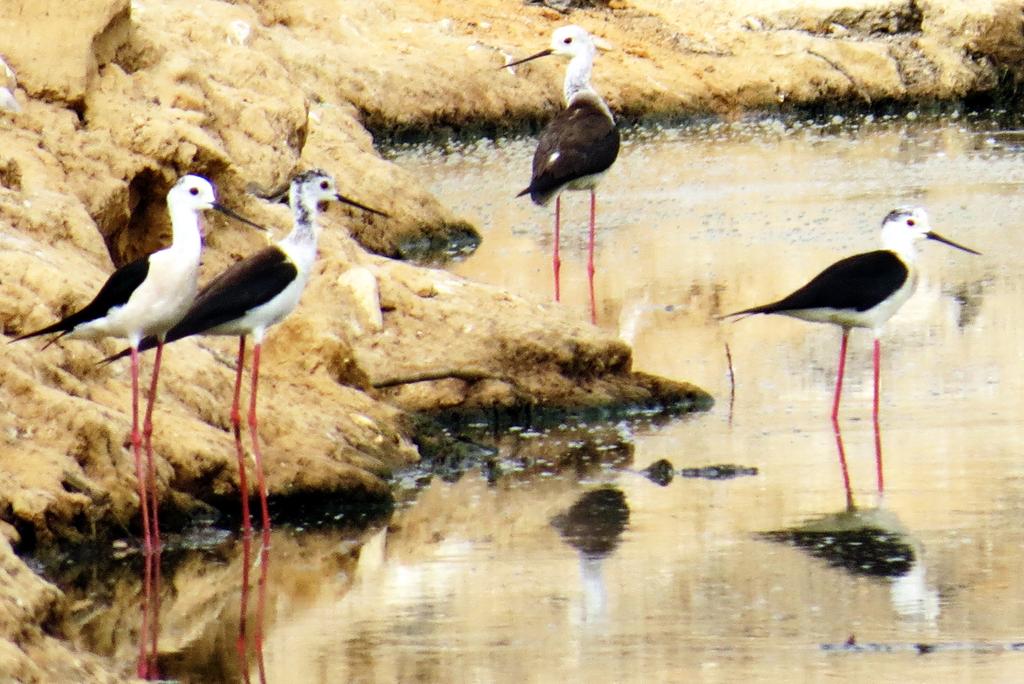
(145, 299)
(254, 294)
(580, 144)
(864, 290)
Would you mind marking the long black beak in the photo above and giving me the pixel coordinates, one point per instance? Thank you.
(238, 217)
(938, 238)
(542, 53)
(350, 202)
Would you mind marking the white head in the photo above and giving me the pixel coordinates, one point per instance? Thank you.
(904, 226)
(192, 192)
(570, 41)
(185, 201)
(579, 46)
(311, 188)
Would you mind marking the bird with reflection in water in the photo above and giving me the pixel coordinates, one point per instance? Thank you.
(145, 299)
(864, 290)
(252, 295)
(578, 146)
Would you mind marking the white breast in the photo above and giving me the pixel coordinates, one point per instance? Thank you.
(156, 306)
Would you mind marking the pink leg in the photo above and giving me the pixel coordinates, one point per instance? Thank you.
(839, 375)
(147, 544)
(236, 424)
(556, 263)
(147, 434)
(152, 634)
(878, 360)
(262, 484)
(254, 430)
(142, 667)
(842, 464)
(590, 257)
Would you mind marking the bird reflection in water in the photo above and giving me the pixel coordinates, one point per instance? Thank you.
(841, 451)
(148, 663)
(594, 526)
(868, 542)
(242, 642)
(148, 667)
(863, 541)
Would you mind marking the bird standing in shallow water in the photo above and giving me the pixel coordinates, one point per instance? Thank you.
(864, 290)
(578, 146)
(254, 294)
(147, 297)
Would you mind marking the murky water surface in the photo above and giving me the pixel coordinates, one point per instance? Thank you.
(559, 561)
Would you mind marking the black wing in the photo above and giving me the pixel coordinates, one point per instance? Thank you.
(856, 283)
(115, 292)
(587, 142)
(239, 289)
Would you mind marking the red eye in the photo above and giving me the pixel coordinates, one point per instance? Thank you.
(910, 222)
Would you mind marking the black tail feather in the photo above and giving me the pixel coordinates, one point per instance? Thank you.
(60, 327)
(763, 309)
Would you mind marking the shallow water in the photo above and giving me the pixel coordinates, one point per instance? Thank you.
(558, 560)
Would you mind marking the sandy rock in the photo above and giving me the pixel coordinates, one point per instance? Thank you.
(857, 17)
(364, 302)
(57, 52)
(985, 36)
(520, 355)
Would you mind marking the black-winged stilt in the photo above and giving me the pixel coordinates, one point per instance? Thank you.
(146, 298)
(578, 146)
(254, 294)
(864, 290)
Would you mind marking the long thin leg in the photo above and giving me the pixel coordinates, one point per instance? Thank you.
(257, 456)
(265, 513)
(556, 262)
(147, 435)
(154, 558)
(243, 488)
(877, 362)
(147, 543)
(839, 374)
(842, 464)
(236, 424)
(590, 256)
(874, 415)
(142, 667)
